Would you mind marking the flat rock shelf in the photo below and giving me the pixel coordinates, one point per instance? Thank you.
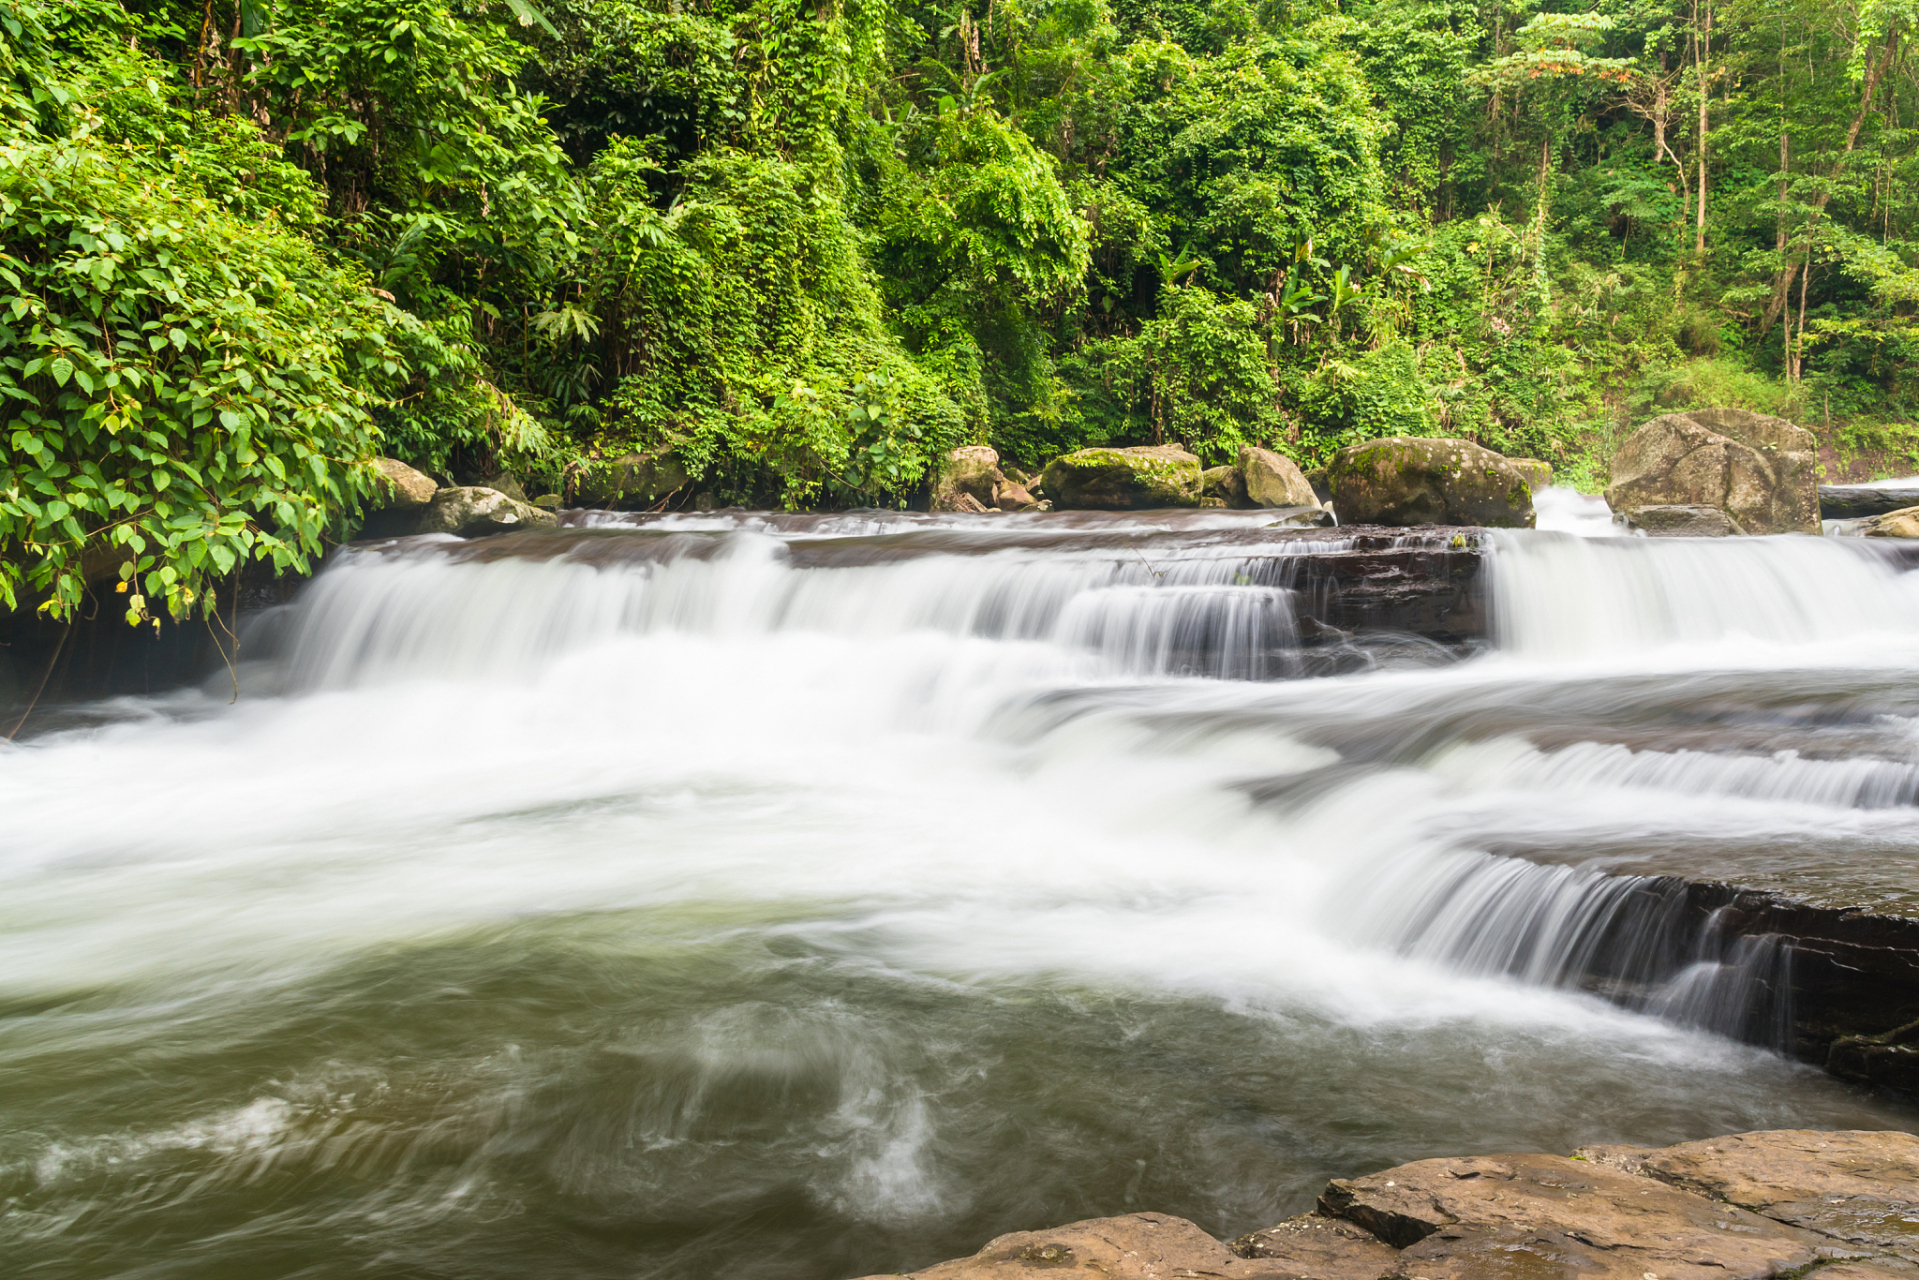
(1752, 1206)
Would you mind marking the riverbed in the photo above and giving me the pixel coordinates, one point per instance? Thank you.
(806, 897)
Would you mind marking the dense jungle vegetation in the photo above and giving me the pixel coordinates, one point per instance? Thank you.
(792, 249)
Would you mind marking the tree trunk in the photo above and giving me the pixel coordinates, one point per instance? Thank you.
(1782, 287)
(1702, 53)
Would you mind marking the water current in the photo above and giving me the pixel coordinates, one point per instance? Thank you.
(804, 897)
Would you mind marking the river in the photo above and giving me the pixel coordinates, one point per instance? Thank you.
(802, 897)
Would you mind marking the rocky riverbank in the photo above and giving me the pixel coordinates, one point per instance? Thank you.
(1783, 1203)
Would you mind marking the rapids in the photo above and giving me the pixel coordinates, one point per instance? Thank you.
(804, 897)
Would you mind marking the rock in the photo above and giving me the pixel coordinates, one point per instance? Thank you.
(1273, 480)
(1315, 1247)
(1539, 475)
(1133, 479)
(1548, 1216)
(1757, 469)
(963, 504)
(1892, 524)
(401, 487)
(1680, 522)
(1856, 501)
(548, 501)
(1858, 1186)
(1137, 1246)
(1010, 496)
(474, 512)
(968, 471)
(1301, 518)
(1322, 488)
(631, 479)
(1226, 485)
(501, 482)
(1408, 480)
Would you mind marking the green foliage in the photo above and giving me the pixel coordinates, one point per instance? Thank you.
(184, 385)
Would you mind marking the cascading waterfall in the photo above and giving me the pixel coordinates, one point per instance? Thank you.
(794, 896)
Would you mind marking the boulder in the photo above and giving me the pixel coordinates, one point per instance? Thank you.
(1225, 486)
(1541, 1215)
(1758, 470)
(474, 512)
(1539, 475)
(1133, 479)
(1859, 1186)
(1273, 480)
(1856, 501)
(969, 471)
(1892, 524)
(1301, 518)
(400, 487)
(1409, 480)
(1010, 496)
(1136, 1246)
(632, 479)
(1680, 522)
(501, 482)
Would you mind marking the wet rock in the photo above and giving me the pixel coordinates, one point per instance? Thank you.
(401, 488)
(1135, 479)
(1539, 475)
(1301, 518)
(1137, 1246)
(1892, 524)
(1861, 1187)
(1315, 1247)
(500, 482)
(971, 471)
(1406, 480)
(1542, 1215)
(1273, 480)
(1680, 522)
(474, 512)
(1857, 501)
(632, 479)
(1757, 469)
(1225, 484)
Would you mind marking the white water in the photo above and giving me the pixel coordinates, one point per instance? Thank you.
(1010, 776)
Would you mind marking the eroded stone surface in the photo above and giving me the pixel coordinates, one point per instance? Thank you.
(1858, 1186)
(1681, 522)
(1315, 1247)
(1541, 1215)
(1903, 523)
(970, 471)
(1136, 1246)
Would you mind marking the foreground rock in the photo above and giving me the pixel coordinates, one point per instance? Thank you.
(473, 512)
(1759, 470)
(1681, 522)
(1858, 501)
(1749, 1207)
(1137, 479)
(1407, 480)
(1273, 480)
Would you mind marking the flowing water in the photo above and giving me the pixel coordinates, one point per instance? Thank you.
(805, 897)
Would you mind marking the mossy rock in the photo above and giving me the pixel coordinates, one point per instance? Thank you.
(1136, 479)
(1410, 480)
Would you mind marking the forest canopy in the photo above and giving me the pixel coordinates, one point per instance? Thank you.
(788, 253)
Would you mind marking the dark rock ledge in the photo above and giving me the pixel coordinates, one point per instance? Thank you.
(1784, 1203)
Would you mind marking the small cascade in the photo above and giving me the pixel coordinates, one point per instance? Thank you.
(1558, 596)
(1641, 941)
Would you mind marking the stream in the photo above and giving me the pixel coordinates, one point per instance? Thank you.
(803, 897)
